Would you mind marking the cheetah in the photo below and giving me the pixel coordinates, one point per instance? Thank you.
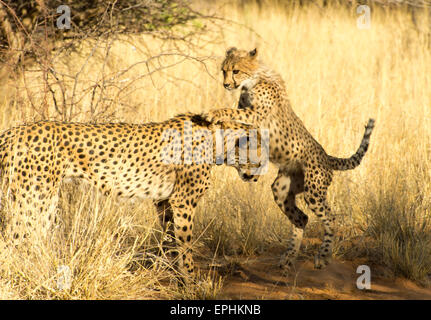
(303, 165)
(168, 162)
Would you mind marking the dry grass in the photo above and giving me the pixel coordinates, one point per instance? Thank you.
(337, 77)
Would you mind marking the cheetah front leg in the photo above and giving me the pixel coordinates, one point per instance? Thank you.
(284, 189)
(183, 225)
(246, 116)
(190, 185)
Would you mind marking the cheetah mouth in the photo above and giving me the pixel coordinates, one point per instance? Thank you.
(230, 88)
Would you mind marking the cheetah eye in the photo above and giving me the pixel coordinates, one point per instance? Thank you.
(235, 71)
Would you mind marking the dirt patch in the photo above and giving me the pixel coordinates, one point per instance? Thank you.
(261, 278)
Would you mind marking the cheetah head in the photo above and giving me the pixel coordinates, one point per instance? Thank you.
(257, 158)
(243, 147)
(238, 67)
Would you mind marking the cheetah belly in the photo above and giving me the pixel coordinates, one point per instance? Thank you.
(126, 183)
(157, 187)
(291, 167)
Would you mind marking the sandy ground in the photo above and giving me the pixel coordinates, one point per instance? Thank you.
(261, 278)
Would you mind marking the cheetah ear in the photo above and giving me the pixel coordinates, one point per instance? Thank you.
(230, 51)
(253, 53)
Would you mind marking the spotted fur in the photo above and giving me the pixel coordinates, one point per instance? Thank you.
(304, 166)
(125, 160)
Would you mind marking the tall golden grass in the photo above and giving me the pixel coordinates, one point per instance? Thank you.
(337, 77)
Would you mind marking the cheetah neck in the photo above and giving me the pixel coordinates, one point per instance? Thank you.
(267, 94)
(265, 80)
(265, 73)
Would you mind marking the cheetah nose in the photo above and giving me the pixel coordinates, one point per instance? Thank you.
(226, 85)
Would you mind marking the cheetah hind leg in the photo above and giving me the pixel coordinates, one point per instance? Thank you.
(316, 198)
(324, 256)
(284, 189)
(32, 220)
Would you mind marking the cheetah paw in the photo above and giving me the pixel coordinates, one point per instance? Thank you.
(320, 262)
(286, 262)
(214, 116)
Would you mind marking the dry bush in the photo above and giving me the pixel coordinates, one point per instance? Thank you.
(64, 73)
(109, 250)
(401, 226)
(97, 242)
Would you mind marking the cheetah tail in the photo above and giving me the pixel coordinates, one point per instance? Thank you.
(354, 160)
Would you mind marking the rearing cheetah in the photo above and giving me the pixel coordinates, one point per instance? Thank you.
(168, 162)
(303, 164)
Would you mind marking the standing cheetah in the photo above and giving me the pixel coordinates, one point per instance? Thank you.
(303, 164)
(168, 162)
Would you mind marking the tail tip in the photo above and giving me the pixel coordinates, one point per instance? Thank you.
(370, 124)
